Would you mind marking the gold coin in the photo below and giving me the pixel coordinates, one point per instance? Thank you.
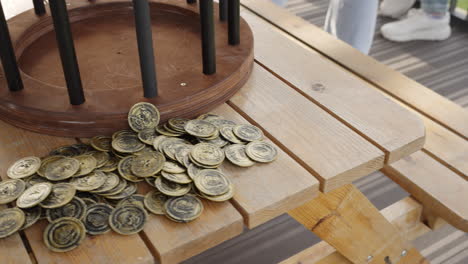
(96, 219)
(170, 141)
(130, 189)
(222, 122)
(64, 234)
(125, 169)
(143, 116)
(147, 136)
(123, 132)
(207, 154)
(34, 195)
(89, 182)
(163, 131)
(11, 220)
(193, 170)
(154, 202)
(226, 133)
(202, 165)
(261, 151)
(209, 117)
(62, 169)
(67, 151)
(76, 208)
(128, 219)
(158, 140)
(111, 165)
(212, 182)
(184, 208)
(181, 178)
(172, 149)
(101, 158)
(102, 143)
(35, 179)
(45, 162)
(147, 165)
(128, 143)
(178, 124)
(200, 128)
(24, 167)
(182, 156)
(214, 136)
(218, 141)
(10, 190)
(221, 198)
(136, 199)
(111, 182)
(248, 132)
(82, 148)
(171, 188)
(169, 129)
(32, 215)
(87, 164)
(172, 167)
(237, 156)
(88, 201)
(61, 194)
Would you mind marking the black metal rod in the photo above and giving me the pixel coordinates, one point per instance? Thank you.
(7, 56)
(145, 47)
(39, 7)
(58, 9)
(208, 36)
(223, 10)
(234, 22)
(191, 1)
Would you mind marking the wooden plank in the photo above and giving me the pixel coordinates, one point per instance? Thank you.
(174, 242)
(424, 100)
(405, 215)
(12, 249)
(350, 223)
(265, 191)
(109, 248)
(433, 185)
(329, 149)
(347, 97)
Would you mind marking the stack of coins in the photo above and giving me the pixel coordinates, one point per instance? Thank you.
(91, 188)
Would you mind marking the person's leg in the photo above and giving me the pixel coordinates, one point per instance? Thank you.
(431, 22)
(353, 22)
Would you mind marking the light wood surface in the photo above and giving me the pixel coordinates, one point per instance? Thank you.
(433, 185)
(174, 242)
(347, 97)
(110, 248)
(424, 100)
(265, 191)
(12, 250)
(350, 223)
(405, 215)
(330, 150)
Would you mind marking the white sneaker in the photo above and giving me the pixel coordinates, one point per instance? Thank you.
(418, 26)
(395, 8)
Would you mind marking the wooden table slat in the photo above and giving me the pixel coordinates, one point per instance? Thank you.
(425, 101)
(335, 153)
(347, 97)
(12, 249)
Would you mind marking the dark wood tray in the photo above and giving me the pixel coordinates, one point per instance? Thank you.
(106, 47)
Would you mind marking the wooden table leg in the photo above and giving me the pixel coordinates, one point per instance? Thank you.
(349, 222)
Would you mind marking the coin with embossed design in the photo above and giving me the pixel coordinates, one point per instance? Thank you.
(181, 178)
(75, 208)
(32, 215)
(96, 219)
(212, 182)
(207, 154)
(24, 167)
(101, 157)
(101, 143)
(128, 219)
(178, 124)
(248, 132)
(136, 199)
(236, 155)
(87, 164)
(184, 208)
(227, 133)
(220, 198)
(11, 220)
(10, 190)
(154, 202)
(62, 169)
(34, 195)
(172, 167)
(130, 188)
(261, 151)
(64, 234)
(45, 162)
(61, 194)
(147, 136)
(89, 182)
(68, 151)
(143, 116)
(209, 117)
(127, 143)
(200, 128)
(148, 164)
(171, 188)
(111, 182)
(125, 171)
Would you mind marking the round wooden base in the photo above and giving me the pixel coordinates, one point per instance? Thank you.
(106, 47)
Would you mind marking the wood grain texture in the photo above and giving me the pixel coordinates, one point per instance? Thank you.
(174, 242)
(106, 48)
(331, 150)
(349, 222)
(405, 215)
(110, 248)
(347, 97)
(12, 250)
(424, 100)
(265, 191)
(435, 186)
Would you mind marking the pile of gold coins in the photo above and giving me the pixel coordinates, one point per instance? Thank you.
(91, 188)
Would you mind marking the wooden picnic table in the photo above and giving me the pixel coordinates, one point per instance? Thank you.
(331, 126)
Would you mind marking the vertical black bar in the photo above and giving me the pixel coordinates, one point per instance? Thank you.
(39, 7)
(145, 47)
(58, 9)
(234, 22)
(7, 56)
(191, 1)
(208, 37)
(223, 10)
